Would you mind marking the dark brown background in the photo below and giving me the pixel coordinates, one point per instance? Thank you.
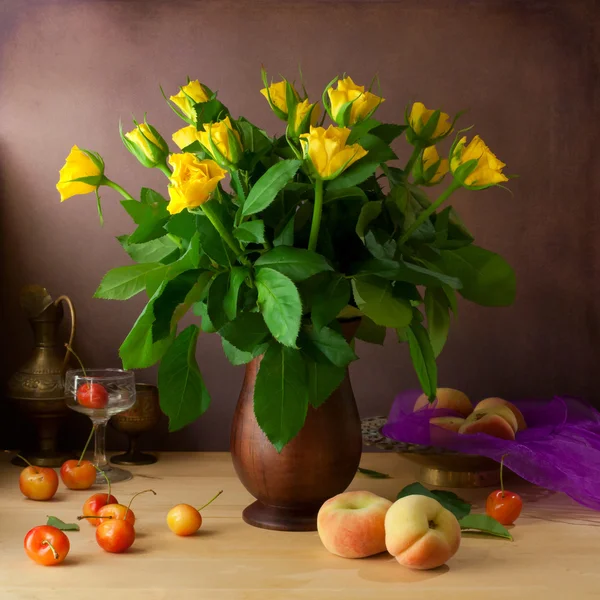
(526, 70)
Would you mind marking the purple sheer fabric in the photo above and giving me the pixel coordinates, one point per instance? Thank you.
(559, 450)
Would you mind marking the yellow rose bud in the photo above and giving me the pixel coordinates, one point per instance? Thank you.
(222, 141)
(186, 136)
(147, 145)
(83, 173)
(474, 165)
(427, 126)
(327, 150)
(192, 181)
(190, 94)
(305, 115)
(277, 97)
(430, 169)
(350, 104)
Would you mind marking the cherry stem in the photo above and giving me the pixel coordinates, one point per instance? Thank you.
(70, 349)
(92, 517)
(129, 505)
(86, 445)
(26, 461)
(501, 470)
(47, 543)
(210, 501)
(107, 481)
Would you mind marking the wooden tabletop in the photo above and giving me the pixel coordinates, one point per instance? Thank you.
(555, 553)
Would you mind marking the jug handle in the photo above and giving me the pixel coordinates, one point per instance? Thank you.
(73, 327)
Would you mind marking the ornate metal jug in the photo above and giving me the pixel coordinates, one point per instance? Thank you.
(37, 387)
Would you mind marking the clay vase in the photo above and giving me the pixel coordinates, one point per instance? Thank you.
(317, 464)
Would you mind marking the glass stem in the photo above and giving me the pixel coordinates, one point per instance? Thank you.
(100, 445)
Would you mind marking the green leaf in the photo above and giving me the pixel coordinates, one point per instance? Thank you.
(246, 332)
(138, 350)
(236, 279)
(151, 198)
(373, 474)
(280, 304)
(449, 500)
(286, 236)
(342, 194)
(182, 393)
(216, 298)
(281, 394)
(250, 231)
(269, 185)
(484, 524)
(56, 522)
(174, 294)
(422, 356)
(323, 379)
(388, 132)
(330, 344)
(375, 298)
(369, 212)
(182, 225)
(403, 271)
(153, 251)
(296, 263)
(123, 283)
(486, 277)
(239, 357)
(328, 301)
(438, 318)
(150, 215)
(212, 243)
(369, 331)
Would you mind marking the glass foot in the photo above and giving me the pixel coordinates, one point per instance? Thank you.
(114, 475)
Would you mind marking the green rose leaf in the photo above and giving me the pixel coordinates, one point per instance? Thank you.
(369, 212)
(330, 344)
(123, 283)
(211, 242)
(183, 395)
(369, 331)
(373, 474)
(238, 357)
(59, 524)
(280, 305)
(138, 350)
(251, 232)
(269, 185)
(486, 277)
(328, 301)
(296, 263)
(281, 394)
(449, 500)
(236, 279)
(403, 271)
(323, 379)
(375, 298)
(246, 332)
(484, 524)
(423, 358)
(216, 298)
(183, 225)
(150, 252)
(438, 318)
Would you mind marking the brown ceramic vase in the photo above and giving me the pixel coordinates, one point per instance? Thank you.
(317, 464)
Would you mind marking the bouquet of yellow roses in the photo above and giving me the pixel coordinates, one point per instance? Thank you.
(271, 241)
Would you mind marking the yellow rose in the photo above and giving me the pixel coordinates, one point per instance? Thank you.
(305, 115)
(222, 141)
(190, 94)
(474, 165)
(427, 125)
(430, 169)
(327, 150)
(350, 103)
(82, 165)
(192, 181)
(147, 145)
(186, 136)
(276, 95)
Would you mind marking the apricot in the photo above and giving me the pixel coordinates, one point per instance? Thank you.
(446, 398)
(489, 423)
(493, 402)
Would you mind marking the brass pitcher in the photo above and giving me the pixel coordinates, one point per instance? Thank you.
(37, 388)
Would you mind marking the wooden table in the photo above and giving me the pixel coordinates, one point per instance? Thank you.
(555, 553)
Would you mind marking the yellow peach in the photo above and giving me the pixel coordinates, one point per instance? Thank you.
(351, 524)
(492, 402)
(446, 398)
(489, 423)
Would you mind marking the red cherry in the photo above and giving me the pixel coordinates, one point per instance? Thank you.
(92, 395)
(504, 506)
(46, 545)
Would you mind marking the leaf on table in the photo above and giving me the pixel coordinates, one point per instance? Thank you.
(373, 474)
(56, 522)
(484, 524)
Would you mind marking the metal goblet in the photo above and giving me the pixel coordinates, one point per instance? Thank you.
(141, 417)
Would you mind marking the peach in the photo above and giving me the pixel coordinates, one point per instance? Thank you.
(446, 398)
(489, 423)
(493, 402)
(351, 524)
(420, 533)
(441, 425)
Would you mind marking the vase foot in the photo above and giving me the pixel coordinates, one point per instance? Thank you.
(280, 519)
(133, 458)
